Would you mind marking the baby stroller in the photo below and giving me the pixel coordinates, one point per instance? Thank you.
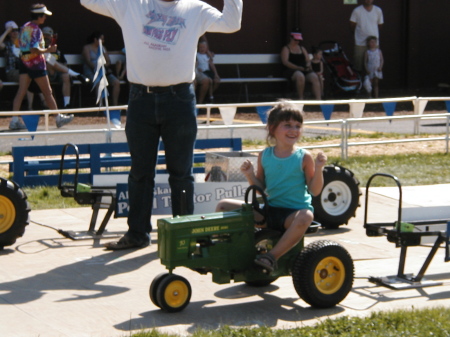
(343, 77)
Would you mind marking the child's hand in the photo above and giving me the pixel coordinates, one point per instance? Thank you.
(321, 160)
(247, 168)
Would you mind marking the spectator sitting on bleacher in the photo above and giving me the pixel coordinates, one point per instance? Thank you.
(90, 56)
(298, 65)
(205, 73)
(9, 42)
(32, 64)
(57, 67)
(121, 66)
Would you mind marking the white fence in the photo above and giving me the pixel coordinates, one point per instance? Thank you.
(356, 111)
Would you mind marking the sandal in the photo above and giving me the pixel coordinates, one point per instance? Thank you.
(267, 261)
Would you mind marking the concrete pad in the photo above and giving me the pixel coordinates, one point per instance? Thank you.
(420, 202)
(54, 286)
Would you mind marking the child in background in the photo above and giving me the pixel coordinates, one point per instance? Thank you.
(373, 62)
(288, 174)
(317, 66)
(205, 73)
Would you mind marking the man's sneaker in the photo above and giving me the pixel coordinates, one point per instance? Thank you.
(68, 106)
(17, 125)
(62, 120)
(83, 79)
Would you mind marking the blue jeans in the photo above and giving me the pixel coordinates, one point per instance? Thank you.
(167, 113)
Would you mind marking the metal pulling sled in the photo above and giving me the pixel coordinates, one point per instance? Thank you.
(96, 196)
(404, 235)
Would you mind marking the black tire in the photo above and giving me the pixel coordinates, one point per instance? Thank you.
(323, 274)
(154, 288)
(339, 199)
(265, 240)
(14, 212)
(173, 293)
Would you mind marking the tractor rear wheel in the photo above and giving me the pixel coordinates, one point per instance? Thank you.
(323, 274)
(14, 212)
(339, 198)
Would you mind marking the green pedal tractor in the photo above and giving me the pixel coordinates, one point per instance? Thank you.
(225, 244)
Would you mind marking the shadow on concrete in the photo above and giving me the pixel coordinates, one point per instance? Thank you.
(84, 276)
(263, 310)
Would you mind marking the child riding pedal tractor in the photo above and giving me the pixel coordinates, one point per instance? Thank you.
(227, 245)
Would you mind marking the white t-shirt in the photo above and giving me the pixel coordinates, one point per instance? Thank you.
(202, 62)
(161, 36)
(366, 23)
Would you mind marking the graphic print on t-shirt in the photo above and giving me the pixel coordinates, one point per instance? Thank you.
(164, 28)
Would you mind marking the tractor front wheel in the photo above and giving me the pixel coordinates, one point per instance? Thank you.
(154, 288)
(173, 293)
(323, 274)
(14, 212)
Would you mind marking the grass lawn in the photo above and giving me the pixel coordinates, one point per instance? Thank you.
(409, 323)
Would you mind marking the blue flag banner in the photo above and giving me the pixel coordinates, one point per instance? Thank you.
(447, 104)
(114, 114)
(327, 110)
(31, 122)
(389, 108)
(262, 112)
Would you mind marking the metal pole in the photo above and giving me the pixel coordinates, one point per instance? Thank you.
(447, 134)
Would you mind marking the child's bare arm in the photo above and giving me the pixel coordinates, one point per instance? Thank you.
(248, 170)
(313, 171)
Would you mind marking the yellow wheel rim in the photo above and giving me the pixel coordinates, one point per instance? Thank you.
(329, 275)
(7, 214)
(176, 293)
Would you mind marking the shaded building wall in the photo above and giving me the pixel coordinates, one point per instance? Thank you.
(413, 39)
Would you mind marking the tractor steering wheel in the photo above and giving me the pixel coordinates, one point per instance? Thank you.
(255, 203)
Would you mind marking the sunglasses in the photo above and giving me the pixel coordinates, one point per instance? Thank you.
(15, 30)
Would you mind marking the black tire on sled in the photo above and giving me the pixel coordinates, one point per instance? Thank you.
(14, 212)
(339, 198)
(323, 274)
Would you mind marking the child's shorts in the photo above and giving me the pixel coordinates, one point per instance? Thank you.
(276, 216)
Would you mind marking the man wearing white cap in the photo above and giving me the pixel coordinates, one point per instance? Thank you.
(33, 65)
(9, 41)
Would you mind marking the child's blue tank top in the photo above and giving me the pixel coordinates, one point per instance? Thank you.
(285, 180)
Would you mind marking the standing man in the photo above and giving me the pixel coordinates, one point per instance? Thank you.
(161, 39)
(365, 21)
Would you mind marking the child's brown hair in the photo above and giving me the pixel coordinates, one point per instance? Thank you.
(282, 112)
